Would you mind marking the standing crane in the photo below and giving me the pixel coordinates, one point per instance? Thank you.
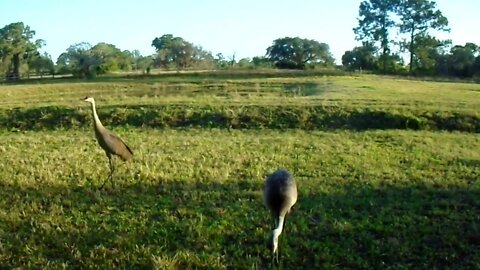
(280, 194)
(110, 143)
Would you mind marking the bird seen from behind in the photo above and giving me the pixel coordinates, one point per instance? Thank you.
(280, 194)
(110, 143)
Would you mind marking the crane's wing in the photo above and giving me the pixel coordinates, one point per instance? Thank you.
(118, 146)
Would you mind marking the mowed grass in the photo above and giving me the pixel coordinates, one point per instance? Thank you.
(309, 102)
(192, 199)
(343, 91)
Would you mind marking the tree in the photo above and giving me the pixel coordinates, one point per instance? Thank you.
(202, 58)
(42, 64)
(361, 58)
(428, 54)
(220, 61)
(125, 60)
(144, 63)
(261, 62)
(462, 60)
(417, 17)
(374, 25)
(79, 60)
(244, 63)
(140, 62)
(477, 66)
(112, 58)
(16, 45)
(4, 57)
(295, 53)
(173, 50)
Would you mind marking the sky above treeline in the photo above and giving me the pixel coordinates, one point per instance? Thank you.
(242, 28)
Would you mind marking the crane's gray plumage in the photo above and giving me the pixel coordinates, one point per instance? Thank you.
(280, 194)
(110, 143)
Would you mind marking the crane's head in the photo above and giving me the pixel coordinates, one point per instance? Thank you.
(89, 99)
(272, 244)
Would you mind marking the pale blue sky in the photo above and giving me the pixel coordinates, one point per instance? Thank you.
(243, 27)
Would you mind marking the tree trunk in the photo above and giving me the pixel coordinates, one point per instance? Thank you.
(384, 42)
(16, 67)
(411, 49)
(385, 51)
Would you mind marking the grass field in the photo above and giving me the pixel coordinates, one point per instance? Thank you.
(192, 197)
(347, 91)
(301, 102)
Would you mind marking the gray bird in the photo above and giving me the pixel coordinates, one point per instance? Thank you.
(280, 194)
(110, 143)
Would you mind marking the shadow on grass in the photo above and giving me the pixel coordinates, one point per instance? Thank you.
(224, 225)
(470, 162)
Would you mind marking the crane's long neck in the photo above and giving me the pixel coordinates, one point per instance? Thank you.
(96, 120)
(280, 223)
(277, 231)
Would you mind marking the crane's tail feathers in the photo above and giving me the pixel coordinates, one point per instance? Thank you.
(127, 154)
(129, 150)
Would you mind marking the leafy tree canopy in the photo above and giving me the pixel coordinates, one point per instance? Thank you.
(417, 17)
(296, 53)
(41, 64)
(463, 60)
(360, 58)
(173, 50)
(375, 22)
(112, 58)
(17, 45)
(80, 60)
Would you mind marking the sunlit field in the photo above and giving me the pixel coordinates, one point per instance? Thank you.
(209, 89)
(372, 195)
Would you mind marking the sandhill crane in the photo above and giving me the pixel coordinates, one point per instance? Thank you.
(280, 194)
(111, 143)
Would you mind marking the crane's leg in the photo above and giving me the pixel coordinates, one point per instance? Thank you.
(112, 169)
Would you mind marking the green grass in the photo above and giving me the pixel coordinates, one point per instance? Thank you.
(373, 193)
(192, 199)
(351, 91)
(307, 102)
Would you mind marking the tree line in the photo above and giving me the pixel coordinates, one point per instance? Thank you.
(388, 30)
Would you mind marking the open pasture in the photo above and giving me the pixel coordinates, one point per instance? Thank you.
(192, 197)
(214, 89)
(273, 102)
